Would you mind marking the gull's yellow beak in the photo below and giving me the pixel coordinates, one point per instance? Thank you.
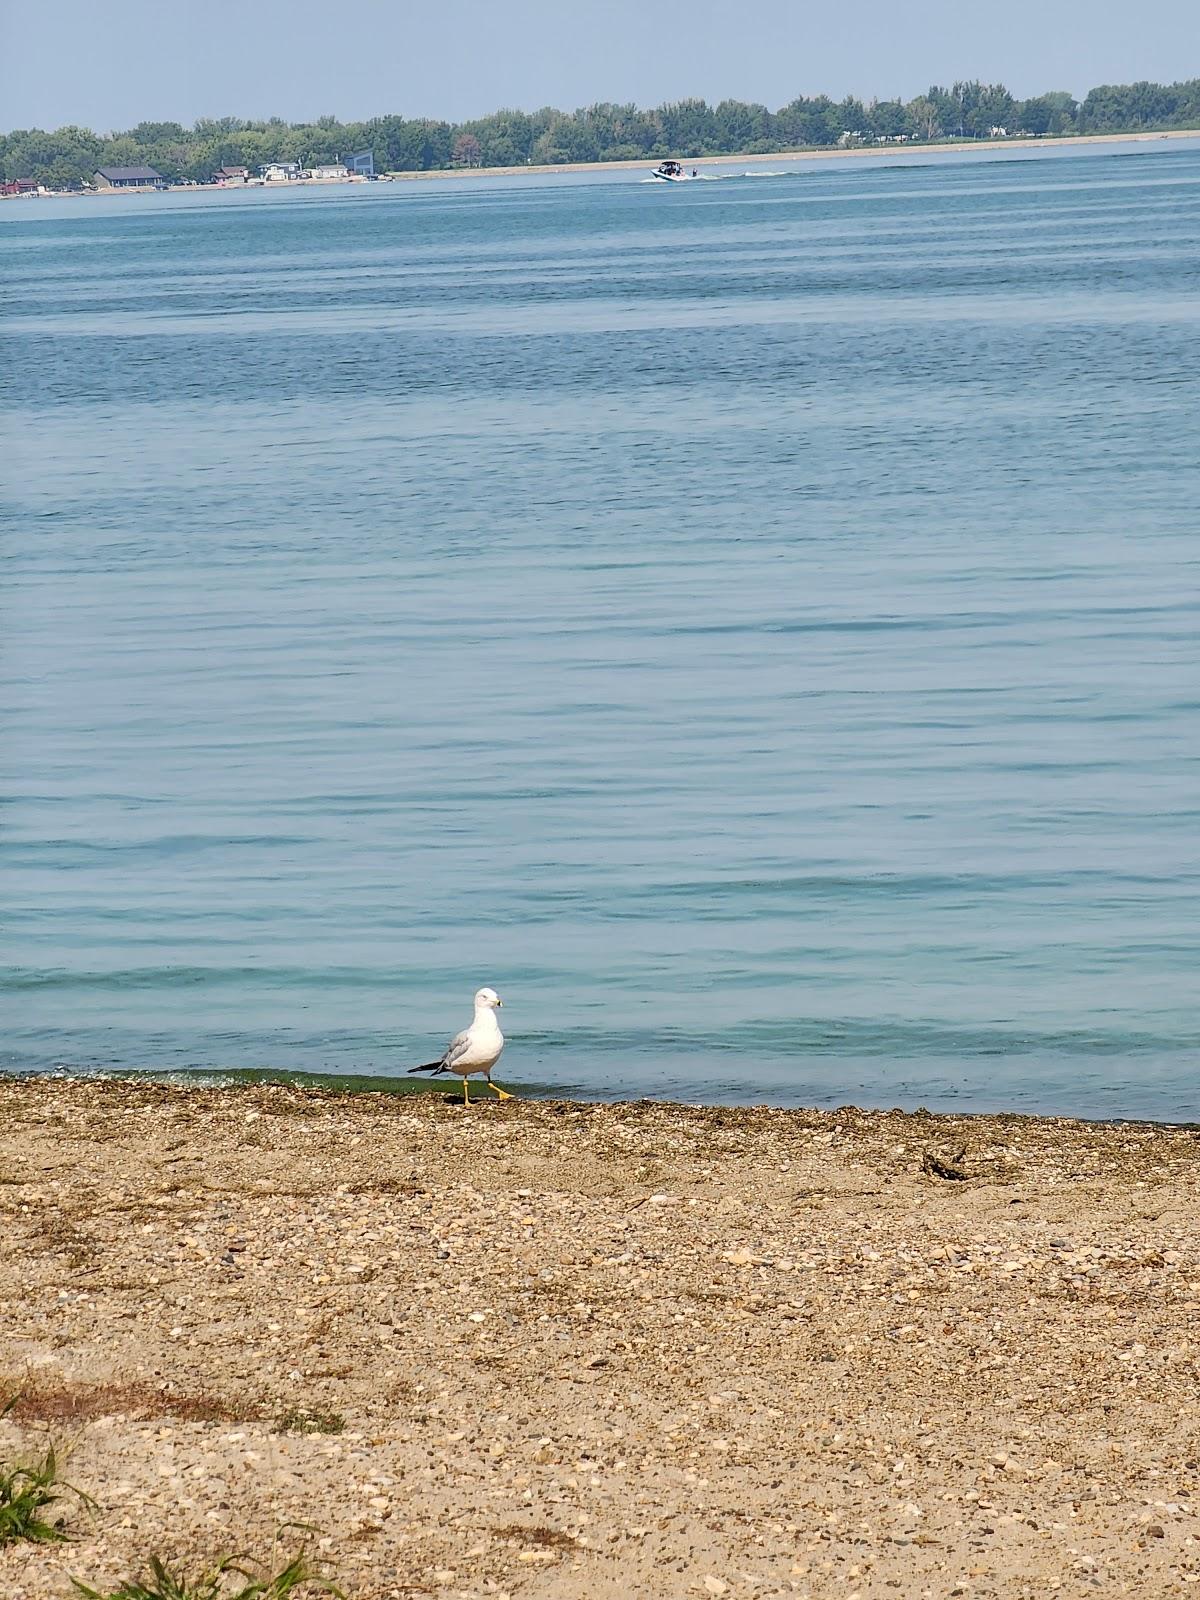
(500, 1002)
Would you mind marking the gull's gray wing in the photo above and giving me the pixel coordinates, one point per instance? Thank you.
(456, 1047)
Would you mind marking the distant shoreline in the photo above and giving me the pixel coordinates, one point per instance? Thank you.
(875, 151)
(813, 153)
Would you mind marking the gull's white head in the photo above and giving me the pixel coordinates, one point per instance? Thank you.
(487, 1000)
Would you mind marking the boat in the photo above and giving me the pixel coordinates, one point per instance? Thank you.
(672, 172)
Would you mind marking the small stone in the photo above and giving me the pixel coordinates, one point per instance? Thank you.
(716, 1586)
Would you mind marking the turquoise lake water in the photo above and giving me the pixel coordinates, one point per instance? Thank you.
(752, 624)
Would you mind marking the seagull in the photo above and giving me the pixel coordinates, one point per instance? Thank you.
(476, 1049)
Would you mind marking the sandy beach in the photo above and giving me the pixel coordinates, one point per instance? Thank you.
(557, 1350)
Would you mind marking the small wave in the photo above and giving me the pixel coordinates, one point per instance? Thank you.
(124, 979)
(898, 1040)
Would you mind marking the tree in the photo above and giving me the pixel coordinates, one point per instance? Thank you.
(215, 127)
(888, 118)
(1047, 113)
(1064, 108)
(947, 108)
(994, 108)
(547, 152)
(157, 132)
(852, 115)
(738, 126)
(467, 151)
(964, 97)
(505, 138)
(922, 116)
(63, 159)
(687, 127)
(809, 122)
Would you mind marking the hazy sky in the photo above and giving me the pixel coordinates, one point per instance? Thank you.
(110, 65)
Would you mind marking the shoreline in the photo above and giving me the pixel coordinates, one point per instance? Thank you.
(794, 157)
(402, 1086)
(543, 1349)
(816, 153)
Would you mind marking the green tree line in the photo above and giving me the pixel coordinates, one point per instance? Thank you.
(67, 157)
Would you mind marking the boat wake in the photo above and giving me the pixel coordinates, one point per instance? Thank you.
(699, 177)
(711, 177)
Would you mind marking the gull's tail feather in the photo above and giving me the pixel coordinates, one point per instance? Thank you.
(430, 1066)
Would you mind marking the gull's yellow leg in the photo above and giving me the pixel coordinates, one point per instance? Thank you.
(497, 1090)
(466, 1096)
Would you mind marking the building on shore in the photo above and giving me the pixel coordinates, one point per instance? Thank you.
(362, 163)
(279, 171)
(231, 177)
(128, 178)
(328, 169)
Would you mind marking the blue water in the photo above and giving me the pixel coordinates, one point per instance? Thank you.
(752, 624)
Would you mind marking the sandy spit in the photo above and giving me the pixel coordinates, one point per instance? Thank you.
(886, 152)
(549, 1350)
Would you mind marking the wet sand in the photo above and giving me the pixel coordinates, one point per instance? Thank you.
(557, 1350)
